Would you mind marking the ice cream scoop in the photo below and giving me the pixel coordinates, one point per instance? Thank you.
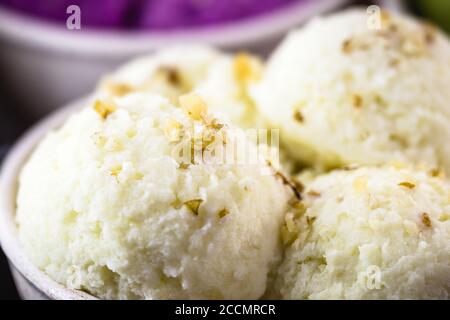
(369, 233)
(134, 198)
(360, 88)
(222, 80)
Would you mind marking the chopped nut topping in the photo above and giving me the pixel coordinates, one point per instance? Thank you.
(298, 185)
(298, 116)
(350, 167)
(286, 236)
(298, 205)
(99, 139)
(207, 141)
(215, 133)
(434, 172)
(430, 32)
(139, 176)
(357, 101)
(246, 68)
(71, 216)
(313, 193)
(385, 17)
(292, 224)
(409, 43)
(194, 106)
(413, 46)
(393, 28)
(131, 133)
(193, 151)
(437, 173)
(115, 171)
(347, 46)
(118, 89)
(104, 109)
(114, 145)
(222, 213)
(407, 184)
(215, 126)
(379, 100)
(184, 166)
(398, 164)
(194, 205)
(310, 220)
(426, 219)
(172, 130)
(171, 73)
(287, 182)
(394, 62)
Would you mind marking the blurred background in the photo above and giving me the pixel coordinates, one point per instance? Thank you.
(53, 51)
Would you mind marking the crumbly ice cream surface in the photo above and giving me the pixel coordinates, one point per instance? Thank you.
(221, 79)
(342, 92)
(106, 205)
(369, 233)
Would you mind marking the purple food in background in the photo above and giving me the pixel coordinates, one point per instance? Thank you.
(148, 14)
(94, 13)
(170, 14)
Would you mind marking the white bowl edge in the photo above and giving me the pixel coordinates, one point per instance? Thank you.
(8, 188)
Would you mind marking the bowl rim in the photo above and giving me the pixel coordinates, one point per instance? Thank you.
(22, 30)
(9, 173)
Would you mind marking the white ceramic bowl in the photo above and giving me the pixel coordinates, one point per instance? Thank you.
(30, 281)
(44, 66)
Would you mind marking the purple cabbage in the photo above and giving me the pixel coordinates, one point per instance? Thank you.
(147, 14)
(94, 13)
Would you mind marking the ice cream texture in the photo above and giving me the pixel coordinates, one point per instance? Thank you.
(343, 91)
(369, 233)
(106, 205)
(223, 80)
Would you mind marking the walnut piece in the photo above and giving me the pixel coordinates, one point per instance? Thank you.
(426, 219)
(194, 205)
(407, 184)
(194, 106)
(103, 108)
(222, 213)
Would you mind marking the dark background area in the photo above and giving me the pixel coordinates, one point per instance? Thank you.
(12, 125)
(7, 290)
